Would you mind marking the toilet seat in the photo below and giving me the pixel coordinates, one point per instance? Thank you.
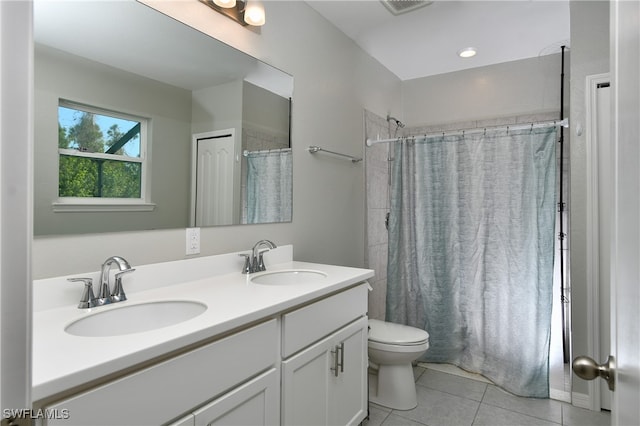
(386, 333)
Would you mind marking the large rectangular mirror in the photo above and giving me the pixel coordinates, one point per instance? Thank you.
(142, 122)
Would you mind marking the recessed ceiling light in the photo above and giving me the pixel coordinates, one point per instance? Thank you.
(467, 52)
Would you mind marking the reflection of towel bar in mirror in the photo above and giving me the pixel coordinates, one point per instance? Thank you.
(314, 149)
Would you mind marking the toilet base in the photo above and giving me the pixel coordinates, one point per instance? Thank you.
(395, 387)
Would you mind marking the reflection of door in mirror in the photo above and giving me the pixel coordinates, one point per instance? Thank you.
(216, 179)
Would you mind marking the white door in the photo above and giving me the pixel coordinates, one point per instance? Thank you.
(215, 179)
(625, 217)
(625, 327)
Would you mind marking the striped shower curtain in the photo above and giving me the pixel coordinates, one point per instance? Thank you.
(471, 240)
(269, 187)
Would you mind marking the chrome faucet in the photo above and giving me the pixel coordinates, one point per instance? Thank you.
(118, 295)
(254, 262)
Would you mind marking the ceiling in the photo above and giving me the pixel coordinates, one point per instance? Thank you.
(425, 41)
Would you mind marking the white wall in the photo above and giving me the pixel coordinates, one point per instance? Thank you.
(210, 114)
(333, 81)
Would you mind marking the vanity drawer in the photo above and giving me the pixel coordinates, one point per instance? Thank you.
(164, 391)
(311, 323)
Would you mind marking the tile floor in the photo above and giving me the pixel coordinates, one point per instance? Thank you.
(451, 400)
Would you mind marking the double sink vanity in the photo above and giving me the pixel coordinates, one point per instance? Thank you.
(199, 342)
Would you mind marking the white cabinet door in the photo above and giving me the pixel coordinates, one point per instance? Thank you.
(312, 392)
(305, 385)
(254, 403)
(348, 391)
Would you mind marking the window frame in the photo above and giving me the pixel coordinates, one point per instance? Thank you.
(108, 204)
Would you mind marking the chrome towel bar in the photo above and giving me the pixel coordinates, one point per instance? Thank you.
(313, 149)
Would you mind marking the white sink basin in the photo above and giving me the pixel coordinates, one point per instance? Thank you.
(288, 276)
(135, 318)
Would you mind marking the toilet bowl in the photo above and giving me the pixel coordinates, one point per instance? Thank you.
(392, 349)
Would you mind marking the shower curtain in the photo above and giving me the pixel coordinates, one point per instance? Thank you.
(471, 240)
(269, 187)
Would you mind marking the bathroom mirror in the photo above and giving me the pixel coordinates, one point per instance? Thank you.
(112, 62)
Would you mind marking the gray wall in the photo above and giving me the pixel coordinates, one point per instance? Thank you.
(333, 81)
(265, 111)
(515, 88)
(60, 75)
(589, 55)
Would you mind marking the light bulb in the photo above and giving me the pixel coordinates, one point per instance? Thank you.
(467, 52)
(254, 13)
(227, 4)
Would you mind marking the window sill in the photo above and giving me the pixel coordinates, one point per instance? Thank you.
(111, 207)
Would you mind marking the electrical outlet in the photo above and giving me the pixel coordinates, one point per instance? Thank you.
(193, 241)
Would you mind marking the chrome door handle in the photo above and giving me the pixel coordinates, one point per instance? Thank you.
(586, 368)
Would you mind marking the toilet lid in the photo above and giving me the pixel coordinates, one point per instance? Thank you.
(397, 334)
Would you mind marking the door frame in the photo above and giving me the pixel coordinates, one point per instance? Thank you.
(593, 400)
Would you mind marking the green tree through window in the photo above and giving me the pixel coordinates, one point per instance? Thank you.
(97, 158)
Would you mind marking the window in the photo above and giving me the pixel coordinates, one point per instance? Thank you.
(101, 156)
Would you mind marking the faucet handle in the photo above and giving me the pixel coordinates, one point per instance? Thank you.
(260, 266)
(88, 299)
(246, 269)
(118, 291)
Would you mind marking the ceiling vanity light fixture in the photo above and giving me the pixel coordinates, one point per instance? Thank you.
(247, 12)
(467, 52)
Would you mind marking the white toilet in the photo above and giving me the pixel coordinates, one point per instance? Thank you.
(392, 349)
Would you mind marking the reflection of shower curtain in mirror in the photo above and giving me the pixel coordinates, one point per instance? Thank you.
(269, 190)
(471, 241)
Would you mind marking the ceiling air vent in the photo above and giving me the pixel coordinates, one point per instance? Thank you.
(403, 6)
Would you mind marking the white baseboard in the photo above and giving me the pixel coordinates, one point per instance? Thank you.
(559, 395)
(581, 400)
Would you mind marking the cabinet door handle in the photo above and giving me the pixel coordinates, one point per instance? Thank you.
(336, 364)
(341, 349)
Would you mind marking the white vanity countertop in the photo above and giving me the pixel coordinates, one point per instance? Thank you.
(62, 361)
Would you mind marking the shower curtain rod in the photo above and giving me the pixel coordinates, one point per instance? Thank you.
(247, 153)
(542, 124)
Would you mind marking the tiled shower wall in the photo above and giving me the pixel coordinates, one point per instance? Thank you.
(377, 181)
(377, 187)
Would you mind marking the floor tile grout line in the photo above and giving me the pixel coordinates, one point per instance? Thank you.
(398, 413)
(453, 394)
(524, 414)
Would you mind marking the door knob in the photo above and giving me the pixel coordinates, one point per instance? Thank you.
(586, 368)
